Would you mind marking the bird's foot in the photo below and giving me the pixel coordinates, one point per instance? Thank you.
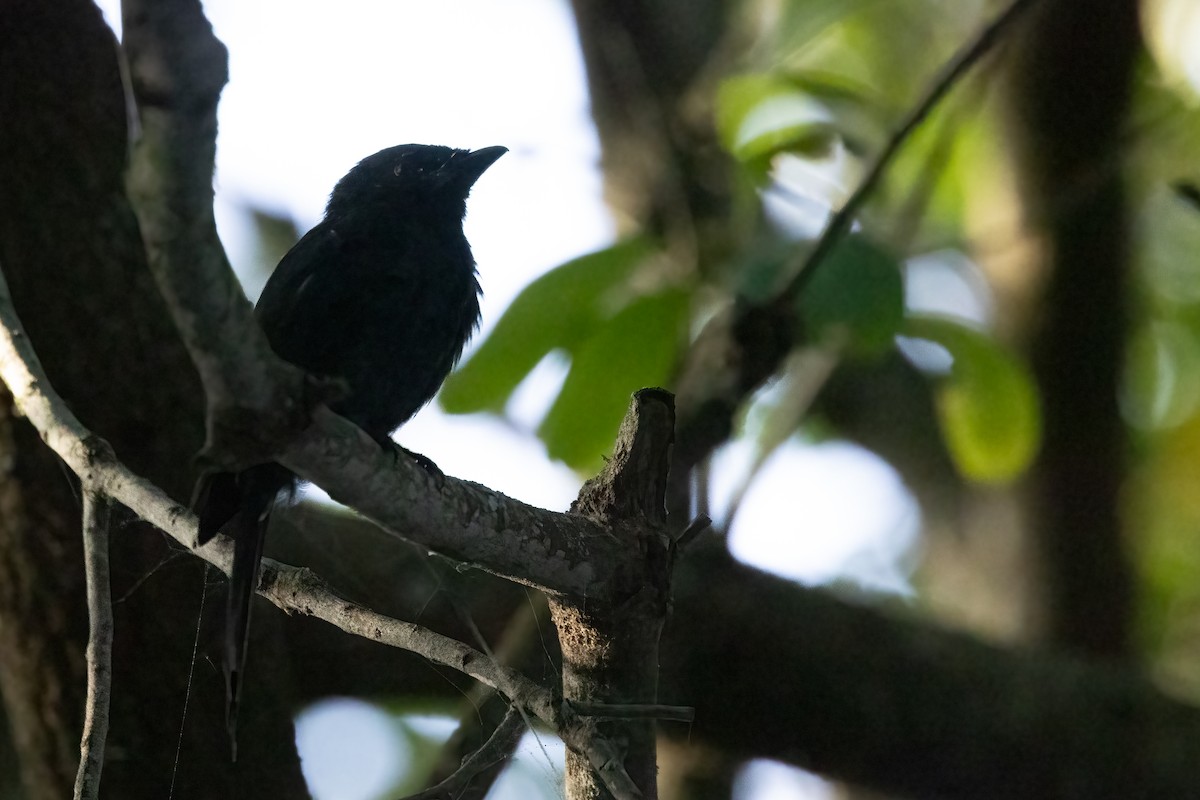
(424, 462)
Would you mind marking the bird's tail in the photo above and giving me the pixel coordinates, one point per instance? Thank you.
(239, 506)
(248, 528)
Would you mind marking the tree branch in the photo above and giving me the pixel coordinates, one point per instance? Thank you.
(610, 645)
(555, 552)
(906, 707)
(839, 687)
(300, 590)
(290, 588)
(177, 68)
(99, 649)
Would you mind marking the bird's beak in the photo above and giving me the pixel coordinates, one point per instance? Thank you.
(468, 168)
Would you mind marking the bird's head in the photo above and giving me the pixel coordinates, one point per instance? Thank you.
(417, 177)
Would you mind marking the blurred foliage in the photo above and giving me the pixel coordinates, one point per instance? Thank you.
(274, 235)
(618, 340)
(987, 404)
(822, 84)
(562, 309)
(760, 116)
(820, 77)
(857, 294)
(637, 347)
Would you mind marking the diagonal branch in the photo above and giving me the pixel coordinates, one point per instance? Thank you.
(300, 590)
(951, 73)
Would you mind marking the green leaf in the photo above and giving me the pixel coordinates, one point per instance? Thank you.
(856, 292)
(854, 105)
(801, 25)
(1161, 385)
(954, 155)
(558, 310)
(761, 115)
(636, 348)
(988, 404)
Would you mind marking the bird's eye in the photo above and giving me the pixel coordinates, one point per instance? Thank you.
(396, 169)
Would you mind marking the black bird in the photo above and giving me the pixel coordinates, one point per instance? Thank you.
(383, 295)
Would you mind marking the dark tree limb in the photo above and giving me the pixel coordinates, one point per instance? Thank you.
(75, 263)
(906, 707)
(1071, 91)
(868, 695)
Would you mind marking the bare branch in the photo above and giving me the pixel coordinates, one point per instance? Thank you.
(301, 590)
(610, 648)
(699, 524)
(99, 649)
(633, 711)
(177, 68)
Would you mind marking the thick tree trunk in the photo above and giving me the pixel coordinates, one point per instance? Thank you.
(1070, 96)
(73, 257)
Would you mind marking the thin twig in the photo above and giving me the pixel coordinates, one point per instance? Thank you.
(301, 590)
(805, 373)
(99, 648)
(497, 748)
(634, 711)
(697, 526)
(950, 74)
(518, 638)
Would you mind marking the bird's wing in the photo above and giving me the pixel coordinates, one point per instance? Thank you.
(317, 302)
(307, 307)
(296, 290)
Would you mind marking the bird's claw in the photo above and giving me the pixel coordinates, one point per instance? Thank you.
(424, 462)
